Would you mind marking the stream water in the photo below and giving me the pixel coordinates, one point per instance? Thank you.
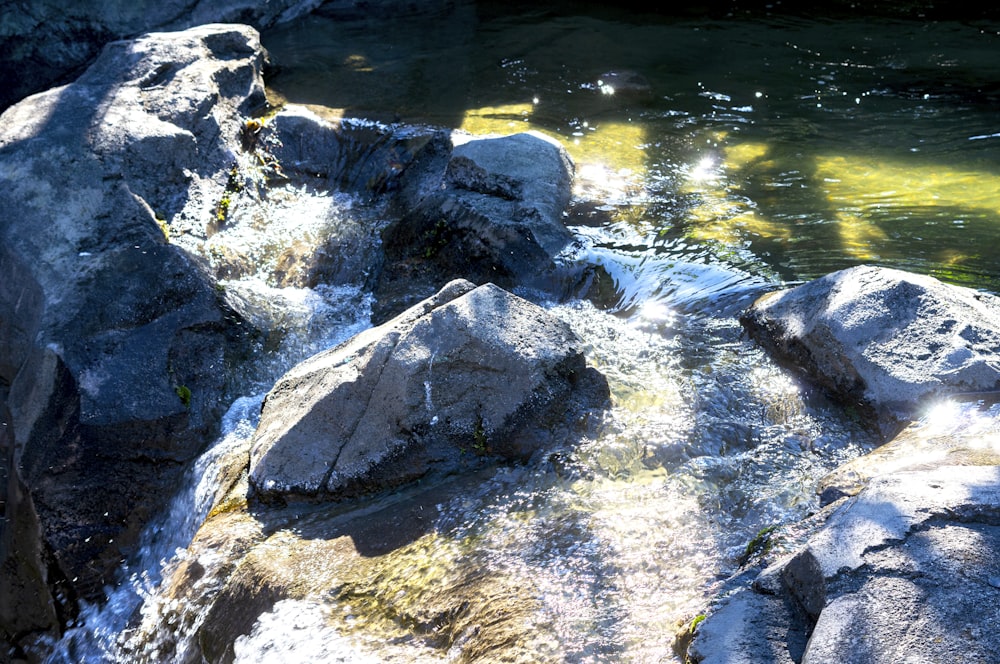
(717, 159)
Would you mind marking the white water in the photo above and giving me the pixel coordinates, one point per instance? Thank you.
(312, 320)
(99, 628)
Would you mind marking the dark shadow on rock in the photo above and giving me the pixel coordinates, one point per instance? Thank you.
(380, 523)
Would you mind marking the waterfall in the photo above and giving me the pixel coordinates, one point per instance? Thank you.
(99, 628)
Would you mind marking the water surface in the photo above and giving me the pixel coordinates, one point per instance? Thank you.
(799, 145)
(717, 158)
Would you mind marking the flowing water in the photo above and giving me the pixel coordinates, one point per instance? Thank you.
(717, 159)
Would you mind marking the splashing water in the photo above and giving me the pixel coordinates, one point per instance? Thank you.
(99, 628)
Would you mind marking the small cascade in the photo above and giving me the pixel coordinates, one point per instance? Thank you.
(100, 628)
(719, 188)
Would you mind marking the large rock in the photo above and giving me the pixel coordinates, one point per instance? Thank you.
(467, 376)
(44, 40)
(470, 371)
(900, 562)
(116, 346)
(905, 567)
(487, 210)
(883, 339)
(496, 216)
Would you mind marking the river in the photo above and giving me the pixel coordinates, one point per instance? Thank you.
(718, 157)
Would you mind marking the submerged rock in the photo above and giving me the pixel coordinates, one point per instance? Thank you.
(468, 372)
(883, 339)
(116, 345)
(381, 570)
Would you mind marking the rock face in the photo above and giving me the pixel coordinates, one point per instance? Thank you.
(495, 217)
(45, 40)
(905, 567)
(308, 197)
(116, 345)
(469, 371)
(883, 338)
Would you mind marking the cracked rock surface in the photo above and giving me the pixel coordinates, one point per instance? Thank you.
(911, 565)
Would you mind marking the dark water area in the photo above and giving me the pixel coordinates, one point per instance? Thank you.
(787, 143)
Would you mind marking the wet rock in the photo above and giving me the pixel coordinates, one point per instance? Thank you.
(902, 568)
(308, 197)
(495, 217)
(883, 339)
(468, 372)
(26, 573)
(954, 435)
(624, 82)
(116, 344)
(751, 628)
(358, 156)
(489, 210)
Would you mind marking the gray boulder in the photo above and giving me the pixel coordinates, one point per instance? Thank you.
(115, 346)
(488, 210)
(750, 628)
(362, 157)
(902, 570)
(883, 339)
(496, 216)
(466, 373)
(44, 40)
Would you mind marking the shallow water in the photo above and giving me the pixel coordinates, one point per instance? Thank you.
(741, 154)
